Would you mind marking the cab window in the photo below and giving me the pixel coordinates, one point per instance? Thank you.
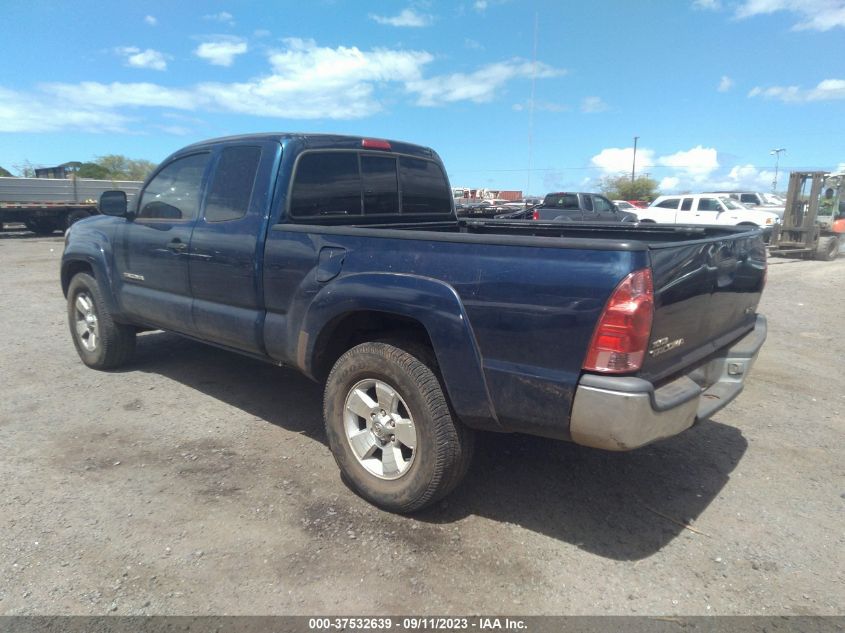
(231, 187)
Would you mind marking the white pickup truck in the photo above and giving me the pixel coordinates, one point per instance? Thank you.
(705, 208)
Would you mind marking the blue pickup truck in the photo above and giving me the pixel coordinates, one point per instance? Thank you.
(342, 257)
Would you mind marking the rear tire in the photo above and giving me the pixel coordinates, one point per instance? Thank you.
(100, 342)
(390, 428)
(42, 226)
(827, 248)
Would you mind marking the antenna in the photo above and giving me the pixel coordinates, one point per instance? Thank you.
(531, 107)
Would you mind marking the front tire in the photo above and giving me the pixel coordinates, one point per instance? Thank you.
(390, 428)
(827, 248)
(100, 342)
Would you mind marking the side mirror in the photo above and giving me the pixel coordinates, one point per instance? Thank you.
(113, 203)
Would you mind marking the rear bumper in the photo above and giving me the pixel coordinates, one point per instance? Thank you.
(622, 413)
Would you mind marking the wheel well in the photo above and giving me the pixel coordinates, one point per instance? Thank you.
(72, 269)
(646, 221)
(349, 330)
(747, 224)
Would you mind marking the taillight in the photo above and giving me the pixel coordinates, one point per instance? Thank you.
(621, 337)
(535, 215)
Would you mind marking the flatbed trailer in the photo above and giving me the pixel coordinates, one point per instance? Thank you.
(45, 205)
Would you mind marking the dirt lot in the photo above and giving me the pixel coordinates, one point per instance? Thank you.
(197, 481)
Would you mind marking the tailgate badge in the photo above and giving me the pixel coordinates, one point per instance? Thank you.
(663, 345)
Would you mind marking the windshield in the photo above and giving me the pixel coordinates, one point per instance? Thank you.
(770, 198)
(731, 204)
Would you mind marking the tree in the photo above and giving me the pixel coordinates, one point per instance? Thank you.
(140, 169)
(119, 167)
(93, 170)
(5, 173)
(621, 188)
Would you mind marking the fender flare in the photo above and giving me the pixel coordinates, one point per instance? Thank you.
(432, 303)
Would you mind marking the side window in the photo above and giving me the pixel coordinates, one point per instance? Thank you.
(750, 198)
(686, 204)
(708, 204)
(424, 188)
(588, 203)
(174, 193)
(381, 187)
(231, 187)
(602, 205)
(326, 183)
(669, 203)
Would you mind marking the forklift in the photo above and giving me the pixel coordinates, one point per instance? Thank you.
(814, 217)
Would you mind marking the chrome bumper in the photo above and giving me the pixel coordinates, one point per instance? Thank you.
(620, 413)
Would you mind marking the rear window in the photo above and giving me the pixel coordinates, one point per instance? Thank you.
(326, 183)
(424, 188)
(345, 183)
(561, 201)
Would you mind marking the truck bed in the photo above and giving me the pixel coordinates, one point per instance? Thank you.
(531, 293)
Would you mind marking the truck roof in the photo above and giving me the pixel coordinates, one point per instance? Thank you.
(317, 141)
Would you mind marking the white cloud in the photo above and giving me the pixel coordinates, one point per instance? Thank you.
(222, 50)
(151, 20)
(480, 86)
(261, 33)
(304, 81)
(707, 5)
(149, 58)
(118, 95)
(697, 163)
(224, 17)
(614, 160)
(21, 112)
(407, 17)
(669, 184)
(594, 104)
(725, 84)
(480, 5)
(817, 15)
(825, 90)
(840, 167)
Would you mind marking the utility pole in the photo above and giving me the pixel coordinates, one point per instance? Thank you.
(776, 152)
(634, 164)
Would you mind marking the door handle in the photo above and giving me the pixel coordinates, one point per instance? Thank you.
(177, 246)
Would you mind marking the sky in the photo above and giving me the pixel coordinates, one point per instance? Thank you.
(710, 87)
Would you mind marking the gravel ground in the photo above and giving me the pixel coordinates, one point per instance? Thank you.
(196, 481)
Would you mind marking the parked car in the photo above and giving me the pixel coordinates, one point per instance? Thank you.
(579, 207)
(706, 208)
(342, 257)
(627, 207)
(764, 201)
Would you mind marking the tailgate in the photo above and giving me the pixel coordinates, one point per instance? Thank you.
(706, 296)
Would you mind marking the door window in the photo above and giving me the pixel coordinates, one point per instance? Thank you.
(424, 187)
(602, 206)
(686, 204)
(668, 203)
(231, 187)
(709, 204)
(326, 183)
(174, 193)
